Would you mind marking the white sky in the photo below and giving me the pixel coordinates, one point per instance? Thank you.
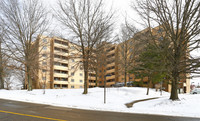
(123, 9)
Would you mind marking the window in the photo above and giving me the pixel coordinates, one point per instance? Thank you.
(72, 47)
(44, 63)
(56, 78)
(72, 86)
(44, 40)
(161, 38)
(160, 30)
(72, 67)
(44, 55)
(64, 86)
(64, 79)
(44, 48)
(73, 60)
(57, 63)
(72, 74)
(81, 68)
(81, 86)
(56, 41)
(65, 65)
(72, 80)
(81, 81)
(57, 71)
(64, 72)
(65, 43)
(81, 74)
(56, 85)
(43, 70)
(64, 50)
(43, 78)
(56, 48)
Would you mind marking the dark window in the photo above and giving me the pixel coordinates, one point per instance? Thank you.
(44, 55)
(64, 79)
(43, 70)
(44, 48)
(65, 65)
(160, 30)
(56, 85)
(43, 78)
(44, 63)
(161, 38)
(44, 40)
(64, 86)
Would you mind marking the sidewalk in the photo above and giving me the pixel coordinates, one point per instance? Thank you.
(129, 105)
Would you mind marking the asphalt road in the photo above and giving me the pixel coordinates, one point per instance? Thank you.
(21, 111)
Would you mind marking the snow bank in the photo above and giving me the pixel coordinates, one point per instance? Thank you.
(116, 98)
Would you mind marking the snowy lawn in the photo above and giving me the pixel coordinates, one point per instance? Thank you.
(116, 100)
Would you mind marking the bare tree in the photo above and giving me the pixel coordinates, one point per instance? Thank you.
(24, 21)
(126, 49)
(7, 80)
(88, 24)
(1, 59)
(20, 75)
(180, 22)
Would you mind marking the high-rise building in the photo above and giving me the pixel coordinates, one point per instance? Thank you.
(107, 65)
(59, 64)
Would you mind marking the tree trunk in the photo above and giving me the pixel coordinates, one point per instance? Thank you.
(148, 86)
(125, 79)
(85, 78)
(175, 74)
(1, 70)
(96, 78)
(174, 92)
(24, 84)
(29, 79)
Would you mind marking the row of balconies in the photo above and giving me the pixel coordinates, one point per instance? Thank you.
(61, 42)
(61, 50)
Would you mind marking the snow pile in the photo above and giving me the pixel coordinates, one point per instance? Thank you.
(187, 106)
(116, 98)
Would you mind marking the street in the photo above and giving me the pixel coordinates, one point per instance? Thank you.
(21, 111)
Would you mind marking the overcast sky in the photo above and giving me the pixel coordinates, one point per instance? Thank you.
(122, 8)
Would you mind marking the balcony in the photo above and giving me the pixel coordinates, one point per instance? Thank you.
(61, 60)
(60, 75)
(61, 45)
(111, 51)
(61, 82)
(91, 78)
(111, 64)
(110, 71)
(60, 68)
(61, 53)
(110, 83)
(110, 77)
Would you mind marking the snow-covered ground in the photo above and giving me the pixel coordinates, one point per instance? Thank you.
(116, 100)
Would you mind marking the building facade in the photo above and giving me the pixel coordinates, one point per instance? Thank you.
(59, 64)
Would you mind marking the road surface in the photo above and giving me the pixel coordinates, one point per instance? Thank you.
(21, 111)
